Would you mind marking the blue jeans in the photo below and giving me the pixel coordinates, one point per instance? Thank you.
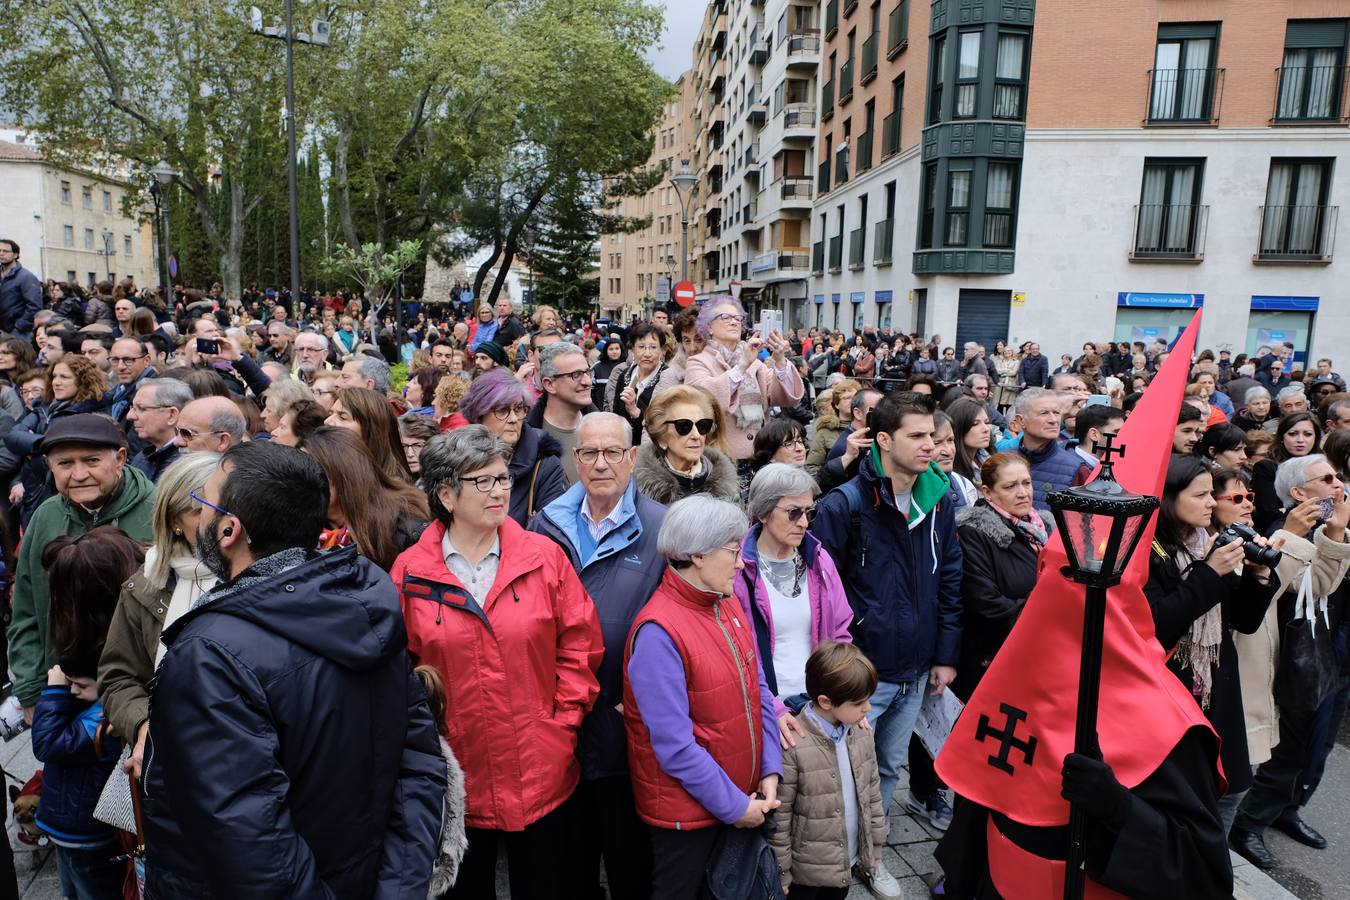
(895, 709)
(90, 874)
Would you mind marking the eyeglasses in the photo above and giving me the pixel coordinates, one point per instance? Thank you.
(794, 513)
(1249, 497)
(734, 549)
(195, 495)
(145, 409)
(729, 317)
(505, 413)
(414, 446)
(613, 455)
(684, 426)
(1328, 479)
(793, 444)
(485, 483)
(188, 434)
(320, 392)
(575, 376)
(122, 360)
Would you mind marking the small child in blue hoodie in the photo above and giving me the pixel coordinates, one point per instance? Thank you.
(69, 738)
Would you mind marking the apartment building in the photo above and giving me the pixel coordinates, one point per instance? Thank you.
(637, 269)
(1068, 171)
(69, 223)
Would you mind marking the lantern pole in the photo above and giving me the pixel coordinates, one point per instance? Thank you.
(1085, 739)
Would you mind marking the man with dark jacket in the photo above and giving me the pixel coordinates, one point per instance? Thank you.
(20, 292)
(1053, 466)
(291, 750)
(892, 534)
(1034, 370)
(608, 530)
(509, 327)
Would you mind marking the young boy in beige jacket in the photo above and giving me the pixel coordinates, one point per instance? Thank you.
(831, 820)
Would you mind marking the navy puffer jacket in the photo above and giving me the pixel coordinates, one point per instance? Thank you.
(291, 752)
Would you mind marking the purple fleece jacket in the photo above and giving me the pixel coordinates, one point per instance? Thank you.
(656, 673)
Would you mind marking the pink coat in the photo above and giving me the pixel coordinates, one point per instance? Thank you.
(708, 371)
(831, 614)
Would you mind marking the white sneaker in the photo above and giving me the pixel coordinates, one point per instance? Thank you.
(882, 883)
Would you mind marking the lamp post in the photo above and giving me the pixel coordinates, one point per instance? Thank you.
(163, 175)
(683, 182)
(107, 254)
(1101, 524)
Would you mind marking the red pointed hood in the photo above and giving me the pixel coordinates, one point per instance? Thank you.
(1031, 689)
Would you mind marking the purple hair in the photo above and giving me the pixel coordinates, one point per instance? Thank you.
(494, 389)
(710, 308)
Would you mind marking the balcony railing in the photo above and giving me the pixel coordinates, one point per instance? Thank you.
(897, 30)
(890, 135)
(1184, 96)
(1297, 233)
(869, 58)
(818, 256)
(749, 212)
(799, 116)
(1310, 94)
(885, 236)
(1170, 231)
(823, 177)
(759, 51)
(796, 188)
(831, 18)
(781, 261)
(864, 156)
(837, 251)
(841, 165)
(857, 246)
(845, 82)
(827, 101)
(803, 48)
(849, 7)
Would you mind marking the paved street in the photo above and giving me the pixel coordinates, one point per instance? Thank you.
(909, 854)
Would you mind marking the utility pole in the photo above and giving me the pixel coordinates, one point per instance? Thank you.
(287, 34)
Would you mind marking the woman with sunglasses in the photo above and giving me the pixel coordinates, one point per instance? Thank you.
(730, 369)
(500, 402)
(501, 616)
(684, 424)
(1001, 538)
(789, 589)
(1200, 591)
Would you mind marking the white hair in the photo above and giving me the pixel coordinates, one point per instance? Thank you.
(1292, 473)
(601, 417)
(697, 526)
(774, 482)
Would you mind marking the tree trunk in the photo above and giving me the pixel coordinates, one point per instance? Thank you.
(231, 256)
(482, 273)
(513, 241)
(344, 195)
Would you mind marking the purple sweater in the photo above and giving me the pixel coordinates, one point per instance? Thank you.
(656, 673)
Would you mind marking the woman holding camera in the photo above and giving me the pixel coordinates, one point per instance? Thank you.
(1200, 590)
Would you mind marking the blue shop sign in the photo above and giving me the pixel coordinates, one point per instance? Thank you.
(1160, 301)
(857, 296)
(1286, 304)
(884, 296)
(819, 298)
(834, 298)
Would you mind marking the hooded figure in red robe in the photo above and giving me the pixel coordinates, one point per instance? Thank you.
(1153, 828)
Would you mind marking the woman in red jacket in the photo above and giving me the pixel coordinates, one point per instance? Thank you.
(501, 615)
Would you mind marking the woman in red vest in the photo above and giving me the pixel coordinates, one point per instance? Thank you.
(702, 735)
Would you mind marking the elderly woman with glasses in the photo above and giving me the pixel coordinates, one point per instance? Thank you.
(703, 743)
(789, 589)
(500, 402)
(500, 614)
(686, 455)
(730, 369)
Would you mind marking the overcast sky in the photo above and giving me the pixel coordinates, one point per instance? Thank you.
(673, 55)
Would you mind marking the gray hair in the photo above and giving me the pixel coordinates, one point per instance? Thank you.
(600, 417)
(323, 339)
(1022, 405)
(377, 370)
(696, 526)
(975, 376)
(774, 482)
(548, 357)
(168, 392)
(1292, 473)
(185, 475)
(287, 393)
(448, 457)
(1293, 390)
(1255, 392)
(228, 420)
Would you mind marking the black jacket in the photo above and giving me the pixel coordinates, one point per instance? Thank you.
(291, 752)
(20, 301)
(998, 573)
(537, 475)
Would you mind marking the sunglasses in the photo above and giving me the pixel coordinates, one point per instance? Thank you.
(684, 426)
(1327, 479)
(794, 513)
(1249, 497)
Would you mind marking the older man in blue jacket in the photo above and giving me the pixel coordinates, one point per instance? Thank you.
(609, 532)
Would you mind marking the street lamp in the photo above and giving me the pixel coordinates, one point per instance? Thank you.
(107, 253)
(684, 182)
(163, 175)
(1100, 524)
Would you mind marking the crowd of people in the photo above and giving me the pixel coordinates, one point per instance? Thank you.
(359, 607)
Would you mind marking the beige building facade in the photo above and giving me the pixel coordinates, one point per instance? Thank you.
(71, 225)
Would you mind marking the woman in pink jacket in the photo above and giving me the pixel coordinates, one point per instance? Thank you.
(730, 368)
(789, 589)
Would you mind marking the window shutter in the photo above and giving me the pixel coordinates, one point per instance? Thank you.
(1315, 33)
(1181, 31)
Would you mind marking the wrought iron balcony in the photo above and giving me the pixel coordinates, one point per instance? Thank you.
(869, 58)
(1184, 96)
(837, 252)
(1170, 231)
(885, 236)
(1304, 234)
(857, 246)
(1310, 94)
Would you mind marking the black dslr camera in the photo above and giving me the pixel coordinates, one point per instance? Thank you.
(1252, 552)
